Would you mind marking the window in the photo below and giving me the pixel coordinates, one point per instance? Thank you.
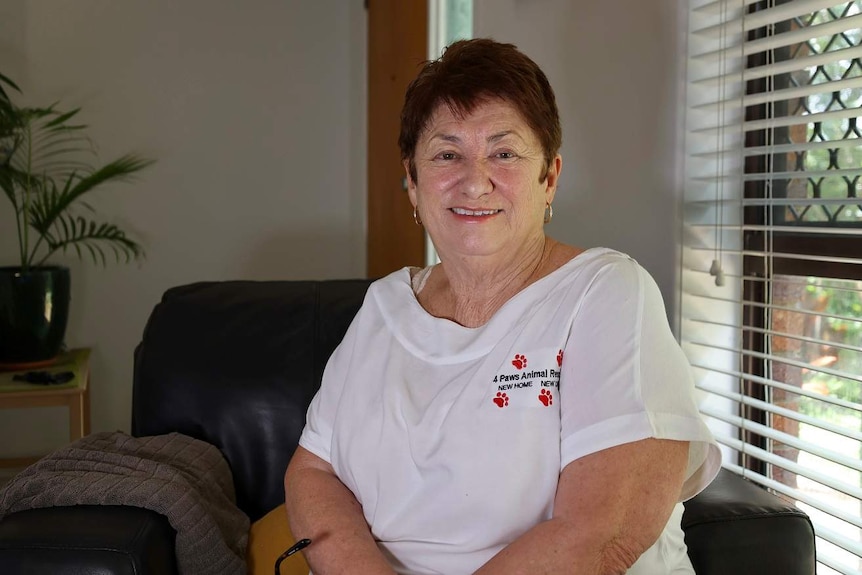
(771, 279)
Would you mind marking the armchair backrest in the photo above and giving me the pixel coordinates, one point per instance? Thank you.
(236, 364)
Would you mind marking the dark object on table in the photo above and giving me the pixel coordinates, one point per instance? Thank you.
(44, 377)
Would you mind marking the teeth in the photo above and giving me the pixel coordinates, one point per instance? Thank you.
(463, 212)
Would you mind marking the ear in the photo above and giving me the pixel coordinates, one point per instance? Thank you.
(411, 185)
(553, 178)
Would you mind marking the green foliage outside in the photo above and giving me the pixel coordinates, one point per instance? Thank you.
(841, 299)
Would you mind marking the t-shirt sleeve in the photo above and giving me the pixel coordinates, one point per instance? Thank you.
(624, 377)
(317, 435)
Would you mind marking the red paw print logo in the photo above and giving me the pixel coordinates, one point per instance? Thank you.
(560, 358)
(520, 361)
(546, 397)
(502, 400)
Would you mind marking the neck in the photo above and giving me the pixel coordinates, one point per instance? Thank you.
(470, 292)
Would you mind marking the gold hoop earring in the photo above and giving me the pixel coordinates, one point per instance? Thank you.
(416, 217)
(549, 212)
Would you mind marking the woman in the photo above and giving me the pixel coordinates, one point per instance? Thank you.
(521, 407)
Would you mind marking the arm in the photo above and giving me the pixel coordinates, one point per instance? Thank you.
(610, 507)
(322, 509)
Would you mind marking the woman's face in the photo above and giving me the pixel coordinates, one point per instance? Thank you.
(478, 188)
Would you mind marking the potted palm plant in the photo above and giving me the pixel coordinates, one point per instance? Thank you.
(46, 173)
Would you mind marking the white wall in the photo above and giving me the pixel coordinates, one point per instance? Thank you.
(617, 70)
(256, 114)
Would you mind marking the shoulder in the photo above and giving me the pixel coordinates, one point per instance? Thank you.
(602, 264)
(609, 262)
(395, 281)
(596, 259)
(391, 296)
(618, 287)
(612, 280)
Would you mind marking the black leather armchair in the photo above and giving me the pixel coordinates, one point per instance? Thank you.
(236, 364)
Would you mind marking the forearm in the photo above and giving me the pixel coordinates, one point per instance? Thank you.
(609, 508)
(322, 509)
(556, 547)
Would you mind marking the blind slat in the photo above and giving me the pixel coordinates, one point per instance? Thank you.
(774, 307)
(783, 67)
(801, 119)
(824, 558)
(787, 439)
(801, 230)
(785, 360)
(775, 409)
(786, 39)
(802, 311)
(801, 281)
(802, 147)
(792, 466)
(750, 151)
(786, 256)
(764, 17)
(773, 333)
(784, 121)
(748, 100)
(802, 257)
(795, 175)
(772, 202)
(771, 383)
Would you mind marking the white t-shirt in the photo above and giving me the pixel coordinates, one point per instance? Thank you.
(452, 439)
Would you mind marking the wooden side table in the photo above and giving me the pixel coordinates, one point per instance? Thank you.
(74, 394)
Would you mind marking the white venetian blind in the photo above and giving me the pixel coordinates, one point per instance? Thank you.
(771, 271)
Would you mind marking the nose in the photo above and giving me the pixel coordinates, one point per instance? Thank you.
(477, 180)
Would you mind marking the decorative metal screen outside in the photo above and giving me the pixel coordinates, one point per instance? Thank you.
(825, 174)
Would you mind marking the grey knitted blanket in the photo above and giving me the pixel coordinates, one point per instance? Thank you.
(185, 479)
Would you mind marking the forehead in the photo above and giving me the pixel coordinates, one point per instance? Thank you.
(489, 117)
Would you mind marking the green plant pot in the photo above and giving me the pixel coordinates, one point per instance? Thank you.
(34, 310)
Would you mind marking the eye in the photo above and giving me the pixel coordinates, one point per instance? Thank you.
(505, 155)
(445, 156)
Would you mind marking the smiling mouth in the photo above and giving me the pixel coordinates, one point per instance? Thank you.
(463, 212)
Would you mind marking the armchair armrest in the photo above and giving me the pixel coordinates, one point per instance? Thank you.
(735, 526)
(105, 539)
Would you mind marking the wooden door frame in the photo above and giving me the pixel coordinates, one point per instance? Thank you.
(397, 45)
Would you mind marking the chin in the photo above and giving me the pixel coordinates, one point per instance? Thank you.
(475, 242)
(479, 248)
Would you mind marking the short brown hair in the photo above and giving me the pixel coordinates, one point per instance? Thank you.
(470, 72)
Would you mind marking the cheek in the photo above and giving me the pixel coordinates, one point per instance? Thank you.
(518, 176)
(526, 192)
(436, 180)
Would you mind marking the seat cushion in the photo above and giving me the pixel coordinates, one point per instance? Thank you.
(269, 537)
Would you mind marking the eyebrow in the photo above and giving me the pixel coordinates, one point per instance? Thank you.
(492, 138)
